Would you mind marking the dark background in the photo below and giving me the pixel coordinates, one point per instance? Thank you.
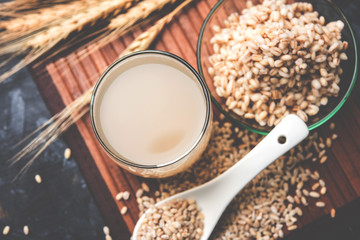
(61, 207)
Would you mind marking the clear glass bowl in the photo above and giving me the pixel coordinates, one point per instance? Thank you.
(326, 8)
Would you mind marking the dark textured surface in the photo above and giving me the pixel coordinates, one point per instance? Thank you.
(61, 207)
(345, 226)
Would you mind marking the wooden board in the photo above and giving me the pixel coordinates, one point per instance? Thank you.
(64, 78)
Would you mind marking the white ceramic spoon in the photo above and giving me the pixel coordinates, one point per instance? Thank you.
(214, 196)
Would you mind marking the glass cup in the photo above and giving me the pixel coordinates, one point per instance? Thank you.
(174, 164)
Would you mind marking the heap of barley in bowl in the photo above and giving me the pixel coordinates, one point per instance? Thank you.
(177, 219)
(275, 59)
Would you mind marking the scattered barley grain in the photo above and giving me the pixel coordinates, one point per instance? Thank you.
(6, 230)
(106, 230)
(123, 210)
(38, 178)
(26, 230)
(320, 204)
(126, 195)
(119, 196)
(323, 190)
(145, 187)
(332, 213)
(67, 153)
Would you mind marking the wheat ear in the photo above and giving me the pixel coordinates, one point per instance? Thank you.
(140, 11)
(60, 122)
(19, 26)
(25, 6)
(124, 22)
(142, 41)
(40, 43)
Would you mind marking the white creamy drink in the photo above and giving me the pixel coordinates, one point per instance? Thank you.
(150, 109)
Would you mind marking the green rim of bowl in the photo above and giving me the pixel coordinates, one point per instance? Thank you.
(262, 132)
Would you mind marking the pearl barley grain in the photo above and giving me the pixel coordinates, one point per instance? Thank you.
(126, 195)
(38, 178)
(323, 159)
(119, 196)
(314, 194)
(6, 230)
(67, 153)
(145, 187)
(139, 192)
(123, 210)
(106, 230)
(315, 186)
(332, 213)
(292, 227)
(334, 136)
(26, 230)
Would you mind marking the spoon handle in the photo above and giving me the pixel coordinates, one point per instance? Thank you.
(288, 133)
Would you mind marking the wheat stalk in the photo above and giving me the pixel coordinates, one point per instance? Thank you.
(141, 11)
(21, 25)
(118, 26)
(89, 17)
(144, 40)
(124, 22)
(23, 6)
(43, 41)
(60, 122)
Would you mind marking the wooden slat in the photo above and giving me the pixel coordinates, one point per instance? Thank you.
(79, 72)
(67, 77)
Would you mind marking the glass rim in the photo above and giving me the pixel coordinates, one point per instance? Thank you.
(260, 131)
(205, 92)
